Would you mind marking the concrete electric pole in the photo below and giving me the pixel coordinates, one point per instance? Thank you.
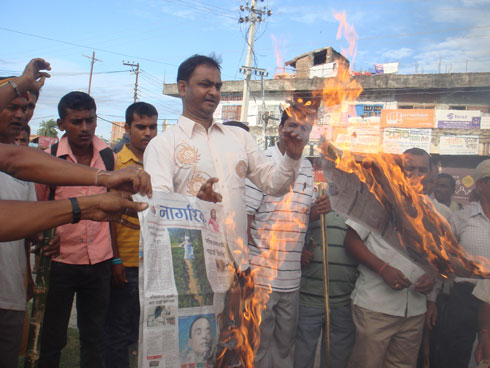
(92, 62)
(135, 68)
(254, 15)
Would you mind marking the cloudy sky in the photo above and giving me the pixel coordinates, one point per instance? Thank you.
(424, 36)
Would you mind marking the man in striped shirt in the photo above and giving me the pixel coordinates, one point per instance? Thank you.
(277, 228)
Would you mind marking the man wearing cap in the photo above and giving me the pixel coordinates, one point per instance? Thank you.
(472, 229)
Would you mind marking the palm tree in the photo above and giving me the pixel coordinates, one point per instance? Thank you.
(48, 128)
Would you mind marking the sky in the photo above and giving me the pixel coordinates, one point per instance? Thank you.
(424, 36)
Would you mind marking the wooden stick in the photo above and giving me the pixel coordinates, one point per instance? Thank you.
(323, 220)
(39, 305)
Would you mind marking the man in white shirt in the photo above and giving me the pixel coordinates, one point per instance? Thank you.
(389, 299)
(198, 152)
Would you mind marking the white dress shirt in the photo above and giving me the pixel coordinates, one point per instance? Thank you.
(472, 229)
(183, 157)
(482, 290)
(371, 291)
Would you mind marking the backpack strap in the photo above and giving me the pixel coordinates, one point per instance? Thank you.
(108, 158)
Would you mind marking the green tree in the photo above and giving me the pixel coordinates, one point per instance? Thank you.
(48, 128)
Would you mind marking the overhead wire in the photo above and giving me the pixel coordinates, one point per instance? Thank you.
(85, 46)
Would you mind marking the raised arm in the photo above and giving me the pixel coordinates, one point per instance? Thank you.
(32, 79)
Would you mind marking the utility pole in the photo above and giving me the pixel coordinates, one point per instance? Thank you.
(92, 62)
(135, 68)
(254, 15)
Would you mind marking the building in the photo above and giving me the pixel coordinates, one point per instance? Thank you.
(117, 131)
(446, 114)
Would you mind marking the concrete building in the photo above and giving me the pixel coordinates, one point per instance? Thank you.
(117, 131)
(459, 147)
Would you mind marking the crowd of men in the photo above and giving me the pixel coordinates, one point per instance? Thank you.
(381, 302)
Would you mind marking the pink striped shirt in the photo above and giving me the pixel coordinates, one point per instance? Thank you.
(86, 242)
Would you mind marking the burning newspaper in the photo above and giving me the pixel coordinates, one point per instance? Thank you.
(372, 190)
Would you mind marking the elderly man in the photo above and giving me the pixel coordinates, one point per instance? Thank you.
(390, 297)
(472, 229)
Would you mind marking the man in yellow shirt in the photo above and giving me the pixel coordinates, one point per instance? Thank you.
(123, 315)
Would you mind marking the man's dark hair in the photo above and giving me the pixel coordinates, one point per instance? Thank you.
(449, 177)
(140, 109)
(76, 101)
(27, 129)
(419, 152)
(197, 319)
(189, 65)
(238, 124)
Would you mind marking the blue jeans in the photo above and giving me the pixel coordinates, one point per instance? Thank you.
(311, 326)
(121, 319)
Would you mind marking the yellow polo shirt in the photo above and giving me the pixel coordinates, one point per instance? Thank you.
(128, 240)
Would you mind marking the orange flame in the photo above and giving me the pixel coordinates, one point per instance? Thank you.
(241, 319)
(279, 60)
(424, 234)
(349, 33)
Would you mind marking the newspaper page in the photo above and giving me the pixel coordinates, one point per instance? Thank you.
(185, 271)
(351, 198)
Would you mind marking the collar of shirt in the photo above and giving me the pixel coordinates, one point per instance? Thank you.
(64, 148)
(126, 155)
(476, 210)
(187, 125)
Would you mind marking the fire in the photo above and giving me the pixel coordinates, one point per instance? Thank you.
(423, 233)
(245, 302)
(349, 32)
(280, 68)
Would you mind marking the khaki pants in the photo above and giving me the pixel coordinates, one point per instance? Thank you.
(385, 341)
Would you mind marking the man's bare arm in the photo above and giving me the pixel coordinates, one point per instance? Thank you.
(21, 219)
(32, 79)
(391, 275)
(33, 165)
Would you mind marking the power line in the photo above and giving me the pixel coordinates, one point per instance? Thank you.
(85, 46)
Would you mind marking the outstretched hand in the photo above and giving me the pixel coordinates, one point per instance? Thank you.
(110, 207)
(207, 193)
(33, 78)
(132, 179)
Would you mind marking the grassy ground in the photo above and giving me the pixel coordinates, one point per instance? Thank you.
(70, 356)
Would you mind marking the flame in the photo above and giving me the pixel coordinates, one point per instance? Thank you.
(245, 302)
(349, 33)
(280, 68)
(423, 233)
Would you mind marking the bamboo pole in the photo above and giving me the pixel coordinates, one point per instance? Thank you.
(323, 220)
(38, 305)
